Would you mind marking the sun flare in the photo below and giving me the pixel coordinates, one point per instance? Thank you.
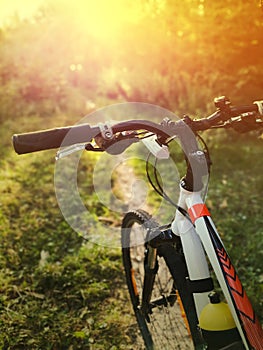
(24, 9)
(101, 18)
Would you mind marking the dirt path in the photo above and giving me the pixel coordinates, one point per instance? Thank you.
(131, 189)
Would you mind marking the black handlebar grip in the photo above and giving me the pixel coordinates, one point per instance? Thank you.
(53, 138)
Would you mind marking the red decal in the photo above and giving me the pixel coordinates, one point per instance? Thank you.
(254, 332)
(244, 305)
(239, 294)
(250, 322)
(222, 254)
(198, 210)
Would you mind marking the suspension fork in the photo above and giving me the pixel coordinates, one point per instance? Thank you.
(150, 271)
(157, 247)
(157, 239)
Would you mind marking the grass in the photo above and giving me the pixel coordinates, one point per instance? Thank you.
(69, 304)
(58, 291)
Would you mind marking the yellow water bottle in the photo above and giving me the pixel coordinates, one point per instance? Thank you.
(217, 324)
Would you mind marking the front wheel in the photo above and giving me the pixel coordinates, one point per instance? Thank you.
(163, 325)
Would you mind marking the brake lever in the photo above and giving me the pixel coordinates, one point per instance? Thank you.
(244, 124)
(69, 150)
(119, 145)
(113, 147)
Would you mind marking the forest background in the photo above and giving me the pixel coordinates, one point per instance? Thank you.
(69, 59)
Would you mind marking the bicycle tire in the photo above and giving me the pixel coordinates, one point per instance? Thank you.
(165, 328)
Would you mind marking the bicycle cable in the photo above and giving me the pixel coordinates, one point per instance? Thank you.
(208, 159)
(158, 188)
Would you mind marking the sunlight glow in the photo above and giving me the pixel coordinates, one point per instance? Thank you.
(24, 9)
(75, 67)
(101, 18)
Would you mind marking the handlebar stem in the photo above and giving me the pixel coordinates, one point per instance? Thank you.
(196, 160)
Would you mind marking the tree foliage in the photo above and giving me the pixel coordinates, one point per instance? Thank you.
(171, 53)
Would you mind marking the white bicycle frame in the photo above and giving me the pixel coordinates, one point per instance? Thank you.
(200, 239)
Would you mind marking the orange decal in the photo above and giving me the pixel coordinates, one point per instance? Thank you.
(134, 284)
(243, 305)
(239, 294)
(250, 322)
(198, 210)
(254, 332)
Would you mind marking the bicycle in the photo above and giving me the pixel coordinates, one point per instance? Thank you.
(166, 266)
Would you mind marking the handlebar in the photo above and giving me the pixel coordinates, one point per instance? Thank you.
(54, 138)
(223, 115)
